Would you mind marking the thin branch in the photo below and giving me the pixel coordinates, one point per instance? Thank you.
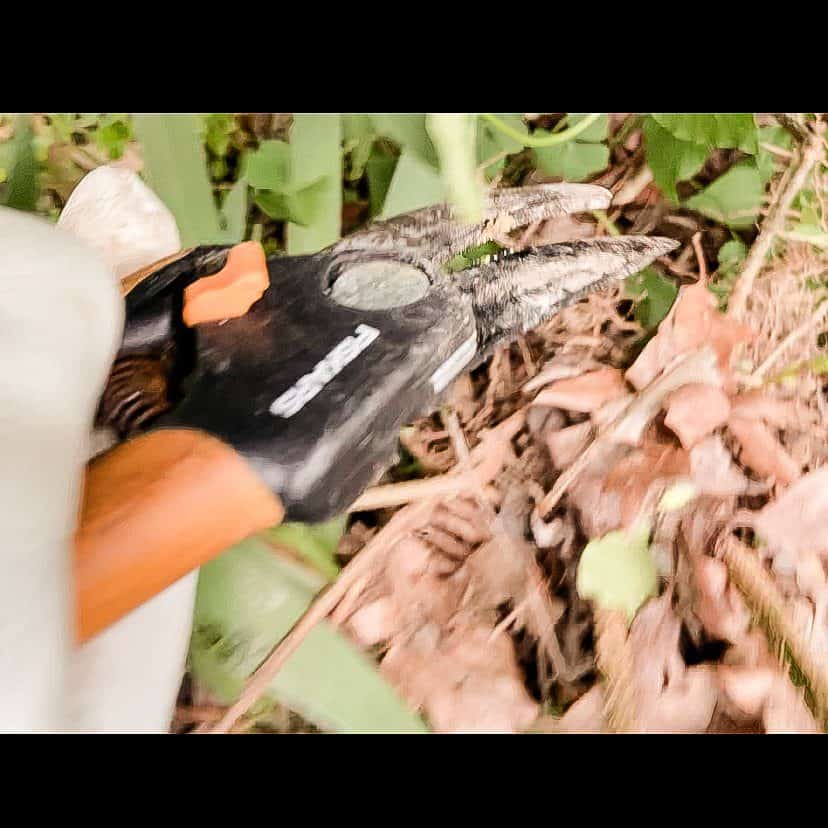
(808, 156)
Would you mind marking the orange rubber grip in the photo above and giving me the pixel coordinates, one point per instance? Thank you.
(155, 508)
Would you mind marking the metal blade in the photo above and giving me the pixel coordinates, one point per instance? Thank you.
(522, 290)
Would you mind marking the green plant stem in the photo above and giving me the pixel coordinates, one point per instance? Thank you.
(604, 220)
(550, 140)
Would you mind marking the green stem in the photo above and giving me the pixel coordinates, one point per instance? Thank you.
(549, 140)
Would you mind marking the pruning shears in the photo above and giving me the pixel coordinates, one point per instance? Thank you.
(289, 378)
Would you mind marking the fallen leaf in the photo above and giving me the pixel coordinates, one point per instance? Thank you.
(718, 604)
(713, 470)
(584, 393)
(762, 452)
(795, 523)
(586, 715)
(696, 410)
(617, 571)
(756, 405)
(693, 321)
(565, 444)
(655, 464)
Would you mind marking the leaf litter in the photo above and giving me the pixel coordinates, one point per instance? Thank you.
(687, 465)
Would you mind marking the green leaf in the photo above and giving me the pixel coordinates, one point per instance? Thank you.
(113, 134)
(455, 140)
(316, 179)
(316, 543)
(574, 160)
(595, 133)
(656, 295)
(21, 180)
(247, 601)
(273, 204)
(380, 170)
(617, 571)
(731, 254)
(175, 167)
(415, 184)
(766, 161)
(268, 166)
(492, 141)
(409, 131)
(234, 210)
(712, 130)
(579, 158)
(734, 198)
(670, 159)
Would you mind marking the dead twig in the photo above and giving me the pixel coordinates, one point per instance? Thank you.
(766, 601)
(810, 153)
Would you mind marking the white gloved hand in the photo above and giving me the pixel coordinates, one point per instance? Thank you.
(61, 318)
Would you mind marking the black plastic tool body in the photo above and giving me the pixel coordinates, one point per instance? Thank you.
(247, 379)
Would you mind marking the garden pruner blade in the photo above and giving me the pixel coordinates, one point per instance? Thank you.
(347, 345)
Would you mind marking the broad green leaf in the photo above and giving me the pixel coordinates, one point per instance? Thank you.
(268, 166)
(656, 296)
(491, 142)
(247, 601)
(711, 130)
(302, 208)
(409, 131)
(415, 184)
(670, 159)
(574, 160)
(316, 543)
(234, 210)
(273, 204)
(734, 198)
(579, 158)
(455, 140)
(21, 176)
(175, 167)
(380, 170)
(731, 254)
(316, 180)
(309, 208)
(617, 571)
(766, 161)
(596, 132)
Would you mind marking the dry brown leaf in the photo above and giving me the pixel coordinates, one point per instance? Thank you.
(466, 681)
(766, 692)
(584, 393)
(566, 444)
(586, 715)
(696, 410)
(795, 523)
(718, 605)
(693, 321)
(655, 464)
(713, 470)
(669, 697)
(756, 405)
(762, 451)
